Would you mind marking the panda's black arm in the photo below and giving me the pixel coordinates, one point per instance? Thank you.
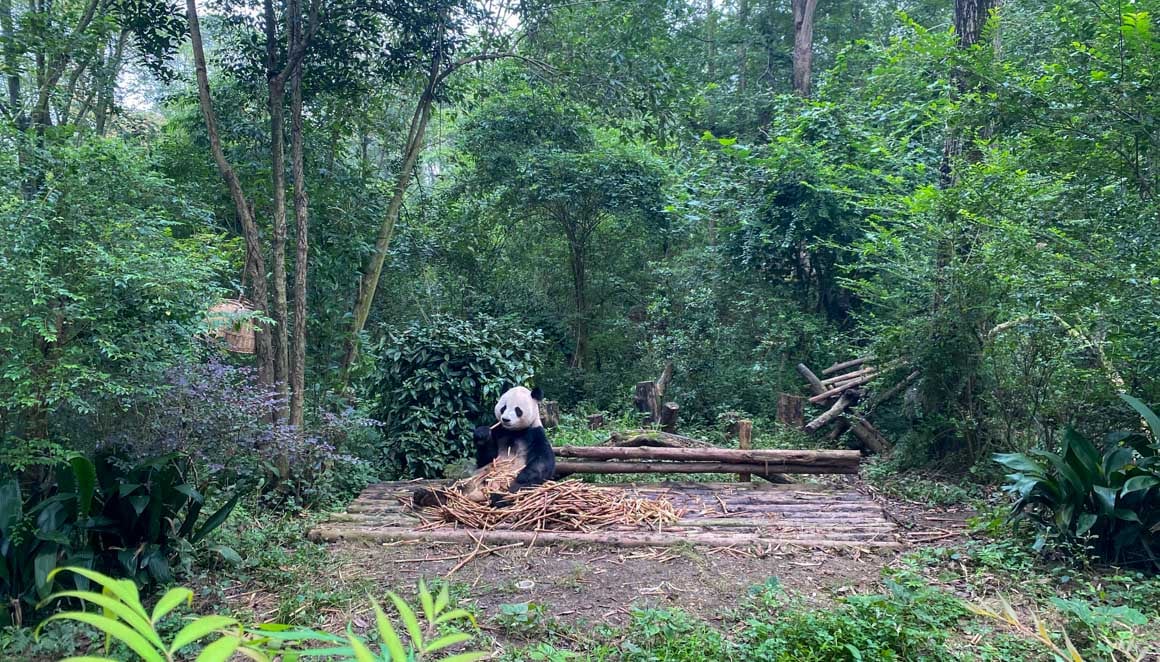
(486, 448)
(541, 461)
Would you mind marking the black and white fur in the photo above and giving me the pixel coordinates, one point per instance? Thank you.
(519, 432)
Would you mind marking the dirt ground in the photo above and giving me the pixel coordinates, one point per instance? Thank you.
(592, 585)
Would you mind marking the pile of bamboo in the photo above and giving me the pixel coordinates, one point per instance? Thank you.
(568, 505)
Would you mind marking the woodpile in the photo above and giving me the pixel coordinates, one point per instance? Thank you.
(650, 459)
(842, 389)
(568, 505)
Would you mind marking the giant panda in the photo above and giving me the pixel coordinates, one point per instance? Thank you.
(518, 431)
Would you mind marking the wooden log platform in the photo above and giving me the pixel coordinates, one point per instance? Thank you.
(745, 515)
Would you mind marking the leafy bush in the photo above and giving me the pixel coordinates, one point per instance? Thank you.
(125, 619)
(440, 380)
(1109, 496)
(133, 519)
(910, 623)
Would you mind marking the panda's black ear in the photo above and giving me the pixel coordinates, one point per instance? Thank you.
(537, 393)
(506, 386)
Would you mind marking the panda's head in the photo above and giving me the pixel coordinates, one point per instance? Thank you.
(519, 409)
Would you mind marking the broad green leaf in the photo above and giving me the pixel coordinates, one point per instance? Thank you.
(88, 658)
(443, 599)
(11, 505)
(86, 479)
(215, 520)
(446, 641)
(466, 657)
(427, 603)
(113, 628)
(1106, 496)
(168, 602)
(364, 654)
(1138, 483)
(123, 589)
(1084, 522)
(454, 614)
(1145, 413)
(220, 650)
(409, 620)
(198, 629)
(112, 606)
(387, 633)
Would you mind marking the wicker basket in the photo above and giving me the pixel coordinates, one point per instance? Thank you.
(229, 320)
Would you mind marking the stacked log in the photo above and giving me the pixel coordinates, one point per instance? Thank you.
(646, 459)
(842, 389)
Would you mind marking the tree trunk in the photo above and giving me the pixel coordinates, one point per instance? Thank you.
(647, 402)
(580, 297)
(255, 262)
(803, 44)
(742, 45)
(670, 412)
(744, 442)
(374, 267)
(301, 228)
(275, 101)
(790, 410)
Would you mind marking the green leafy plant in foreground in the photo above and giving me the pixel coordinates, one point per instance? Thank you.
(1111, 495)
(125, 619)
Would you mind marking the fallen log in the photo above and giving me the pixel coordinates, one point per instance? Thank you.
(849, 375)
(846, 364)
(757, 468)
(634, 438)
(811, 378)
(830, 414)
(879, 398)
(729, 455)
(326, 533)
(842, 386)
(872, 440)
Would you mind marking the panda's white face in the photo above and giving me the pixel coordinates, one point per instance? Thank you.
(517, 409)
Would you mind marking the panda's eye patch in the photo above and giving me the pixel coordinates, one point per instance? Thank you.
(519, 412)
(502, 408)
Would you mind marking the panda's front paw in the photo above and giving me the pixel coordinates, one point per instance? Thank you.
(499, 500)
(482, 435)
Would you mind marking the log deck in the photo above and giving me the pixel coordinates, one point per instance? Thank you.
(744, 515)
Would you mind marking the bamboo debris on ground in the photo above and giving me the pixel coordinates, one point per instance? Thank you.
(568, 505)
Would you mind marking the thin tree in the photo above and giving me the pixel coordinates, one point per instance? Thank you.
(803, 44)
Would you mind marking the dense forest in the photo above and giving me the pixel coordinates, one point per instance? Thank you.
(256, 256)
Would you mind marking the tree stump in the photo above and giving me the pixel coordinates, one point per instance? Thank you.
(791, 410)
(595, 421)
(744, 442)
(647, 401)
(550, 413)
(669, 413)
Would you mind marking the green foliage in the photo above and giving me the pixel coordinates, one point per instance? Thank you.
(1110, 495)
(105, 279)
(661, 634)
(909, 623)
(129, 519)
(125, 620)
(442, 378)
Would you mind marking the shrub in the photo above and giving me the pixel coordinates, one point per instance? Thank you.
(1109, 496)
(439, 381)
(135, 519)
